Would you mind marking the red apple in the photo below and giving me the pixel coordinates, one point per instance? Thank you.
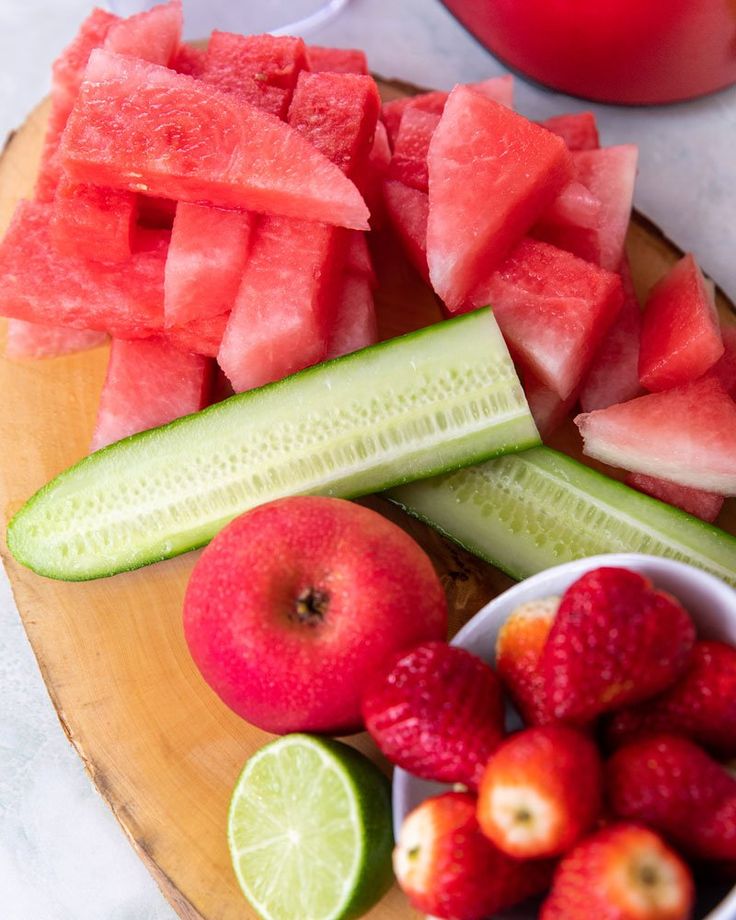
(296, 603)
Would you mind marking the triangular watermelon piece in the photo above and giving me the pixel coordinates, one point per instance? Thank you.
(548, 409)
(705, 505)
(408, 211)
(553, 310)
(358, 259)
(575, 206)
(37, 340)
(199, 336)
(492, 173)
(148, 384)
(336, 60)
(680, 336)
(686, 435)
(371, 181)
(355, 324)
(153, 36)
(216, 149)
(93, 222)
(409, 160)
(579, 130)
(725, 369)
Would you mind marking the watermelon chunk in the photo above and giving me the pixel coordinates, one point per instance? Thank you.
(408, 211)
(205, 262)
(371, 182)
(40, 286)
(261, 69)
(409, 160)
(189, 60)
(614, 372)
(548, 409)
(553, 310)
(148, 384)
(575, 206)
(492, 173)
(336, 60)
(199, 336)
(92, 221)
(579, 130)
(725, 369)
(355, 324)
(216, 149)
(156, 213)
(705, 505)
(358, 257)
(686, 435)
(680, 335)
(37, 340)
(153, 36)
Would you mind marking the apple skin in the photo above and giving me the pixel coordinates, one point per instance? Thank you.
(295, 604)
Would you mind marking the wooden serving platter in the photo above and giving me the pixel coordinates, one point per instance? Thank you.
(159, 745)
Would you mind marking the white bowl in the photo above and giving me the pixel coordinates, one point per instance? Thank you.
(711, 603)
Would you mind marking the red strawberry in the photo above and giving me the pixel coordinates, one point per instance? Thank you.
(436, 711)
(701, 705)
(449, 869)
(540, 792)
(518, 650)
(624, 872)
(672, 785)
(615, 640)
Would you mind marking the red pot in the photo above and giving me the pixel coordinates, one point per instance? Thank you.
(625, 51)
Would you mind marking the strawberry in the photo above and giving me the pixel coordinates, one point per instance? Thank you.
(540, 792)
(437, 711)
(672, 785)
(701, 705)
(518, 650)
(615, 640)
(449, 869)
(624, 872)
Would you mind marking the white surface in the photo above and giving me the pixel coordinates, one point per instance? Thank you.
(62, 856)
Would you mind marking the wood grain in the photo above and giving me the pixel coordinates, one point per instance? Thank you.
(160, 747)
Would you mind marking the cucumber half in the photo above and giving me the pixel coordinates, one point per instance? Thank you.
(530, 511)
(412, 407)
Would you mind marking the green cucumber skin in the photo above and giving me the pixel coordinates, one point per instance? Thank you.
(152, 456)
(542, 543)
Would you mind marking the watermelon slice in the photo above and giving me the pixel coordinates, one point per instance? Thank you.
(686, 435)
(199, 336)
(189, 60)
(207, 255)
(408, 211)
(614, 372)
(579, 130)
(371, 182)
(553, 310)
(39, 285)
(153, 36)
(705, 505)
(409, 160)
(499, 89)
(92, 221)
(547, 408)
(680, 335)
(355, 325)
(492, 173)
(336, 60)
(575, 206)
(216, 149)
(37, 340)
(148, 384)
(358, 257)
(725, 369)
(261, 69)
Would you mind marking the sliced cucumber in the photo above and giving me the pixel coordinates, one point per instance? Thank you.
(412, 407)
(527, 512)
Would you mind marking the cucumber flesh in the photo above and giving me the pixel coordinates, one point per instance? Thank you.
(530, 511)
(428, 402)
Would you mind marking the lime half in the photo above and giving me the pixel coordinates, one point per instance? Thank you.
(309, 830)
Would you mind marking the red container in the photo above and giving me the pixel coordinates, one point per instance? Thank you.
(625, 51)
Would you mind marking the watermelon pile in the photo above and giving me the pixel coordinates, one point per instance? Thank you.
(225, 216)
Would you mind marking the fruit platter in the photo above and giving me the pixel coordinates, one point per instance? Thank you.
(282, 288)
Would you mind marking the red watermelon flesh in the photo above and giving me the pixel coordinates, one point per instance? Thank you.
(189, 60)
(553, 310)
(575, 206)
(408, 211)
(260, 69)
(614, 372)
(358, 257)
(686, 435)
(199, 336)
(548, 410)
(148, 384)
(38, 340)
(370, 182)
(705, 505)
(156, 213)
(579, 130)
(207, 255)
(725, 369)
(41, 286)
(153, 36)
(492, 173)
(336, 60)
(92, 221)
(215, 150)
(50, 170)
(355, 325)
(409, 160)
(680, 334)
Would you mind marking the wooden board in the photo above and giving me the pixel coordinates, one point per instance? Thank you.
(158, 744)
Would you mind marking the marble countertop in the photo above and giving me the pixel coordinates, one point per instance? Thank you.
(62, 855)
